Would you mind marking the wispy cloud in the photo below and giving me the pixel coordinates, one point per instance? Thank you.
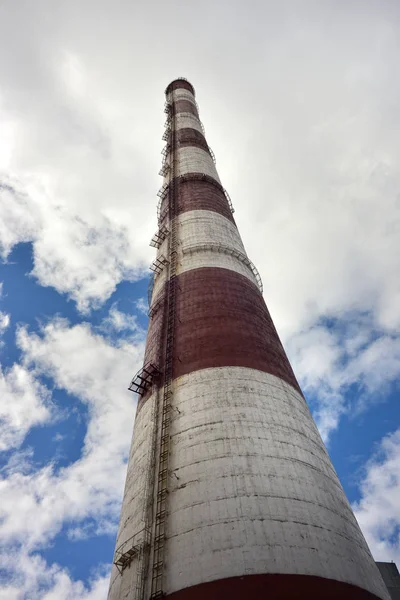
(35, 579)
(4, 322)
(37, 503)
(331, 357)
(142, 306)
(25, 403)
(123, 325)
(378, 510)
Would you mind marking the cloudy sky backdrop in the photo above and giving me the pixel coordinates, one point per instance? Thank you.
(301, 105)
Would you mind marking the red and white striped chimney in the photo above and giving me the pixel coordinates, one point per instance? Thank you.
(230, 492)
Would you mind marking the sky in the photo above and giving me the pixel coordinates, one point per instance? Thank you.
(301, 104)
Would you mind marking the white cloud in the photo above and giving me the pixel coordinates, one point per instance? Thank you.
(19, 216)
(119, 322)
(37, 503)
(142, 306)
(330, 359)
(81, 255)
(36, 580)
(25, 403)
(4, 317)
(378, 510)
(4, 322)
(98, 373)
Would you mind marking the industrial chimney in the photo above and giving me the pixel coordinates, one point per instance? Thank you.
(230, 492)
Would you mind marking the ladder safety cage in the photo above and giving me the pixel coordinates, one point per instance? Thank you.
(165, 151)
(163, 214)
(158, 264)
(163, 191)
(212, 155)
(166, 134)
(144, 378)
(164, 170)
(167, 124)
(228, 198)
(168, 107)
(159, 237)
(162, 194)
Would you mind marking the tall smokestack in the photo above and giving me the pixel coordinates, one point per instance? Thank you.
(230, 492)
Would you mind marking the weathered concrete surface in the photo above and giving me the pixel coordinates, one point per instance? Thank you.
(138, 488)
(196, 160)
(253, 489)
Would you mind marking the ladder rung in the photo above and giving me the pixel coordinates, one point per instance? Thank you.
(159, 538)
(158, 565)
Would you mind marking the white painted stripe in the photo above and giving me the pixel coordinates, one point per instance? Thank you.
(182, 94)
(138, 485)
(253, 489)
(214, 259)
(159, 282)
(198, 227)
(184, 120)
(196, 160)
(208, 239)
(223, 258)
(200, 232)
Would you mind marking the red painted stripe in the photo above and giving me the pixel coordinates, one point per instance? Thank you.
(179, 84)
(191, 137)
(185, 106)
(200, 192)
(273, 587)
(155, 344)
(221, 320)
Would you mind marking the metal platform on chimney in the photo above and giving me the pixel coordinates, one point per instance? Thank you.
(144, 378)
(158, 264)
(159, 237)
(130, 549)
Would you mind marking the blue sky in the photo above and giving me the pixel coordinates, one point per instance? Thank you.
(301, 107)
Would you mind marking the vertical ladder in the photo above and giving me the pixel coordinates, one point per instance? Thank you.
(162, 477)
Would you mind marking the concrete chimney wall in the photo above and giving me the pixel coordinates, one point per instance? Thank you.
(251, 506)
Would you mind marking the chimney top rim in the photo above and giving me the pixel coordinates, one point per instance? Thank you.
(179, 82)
